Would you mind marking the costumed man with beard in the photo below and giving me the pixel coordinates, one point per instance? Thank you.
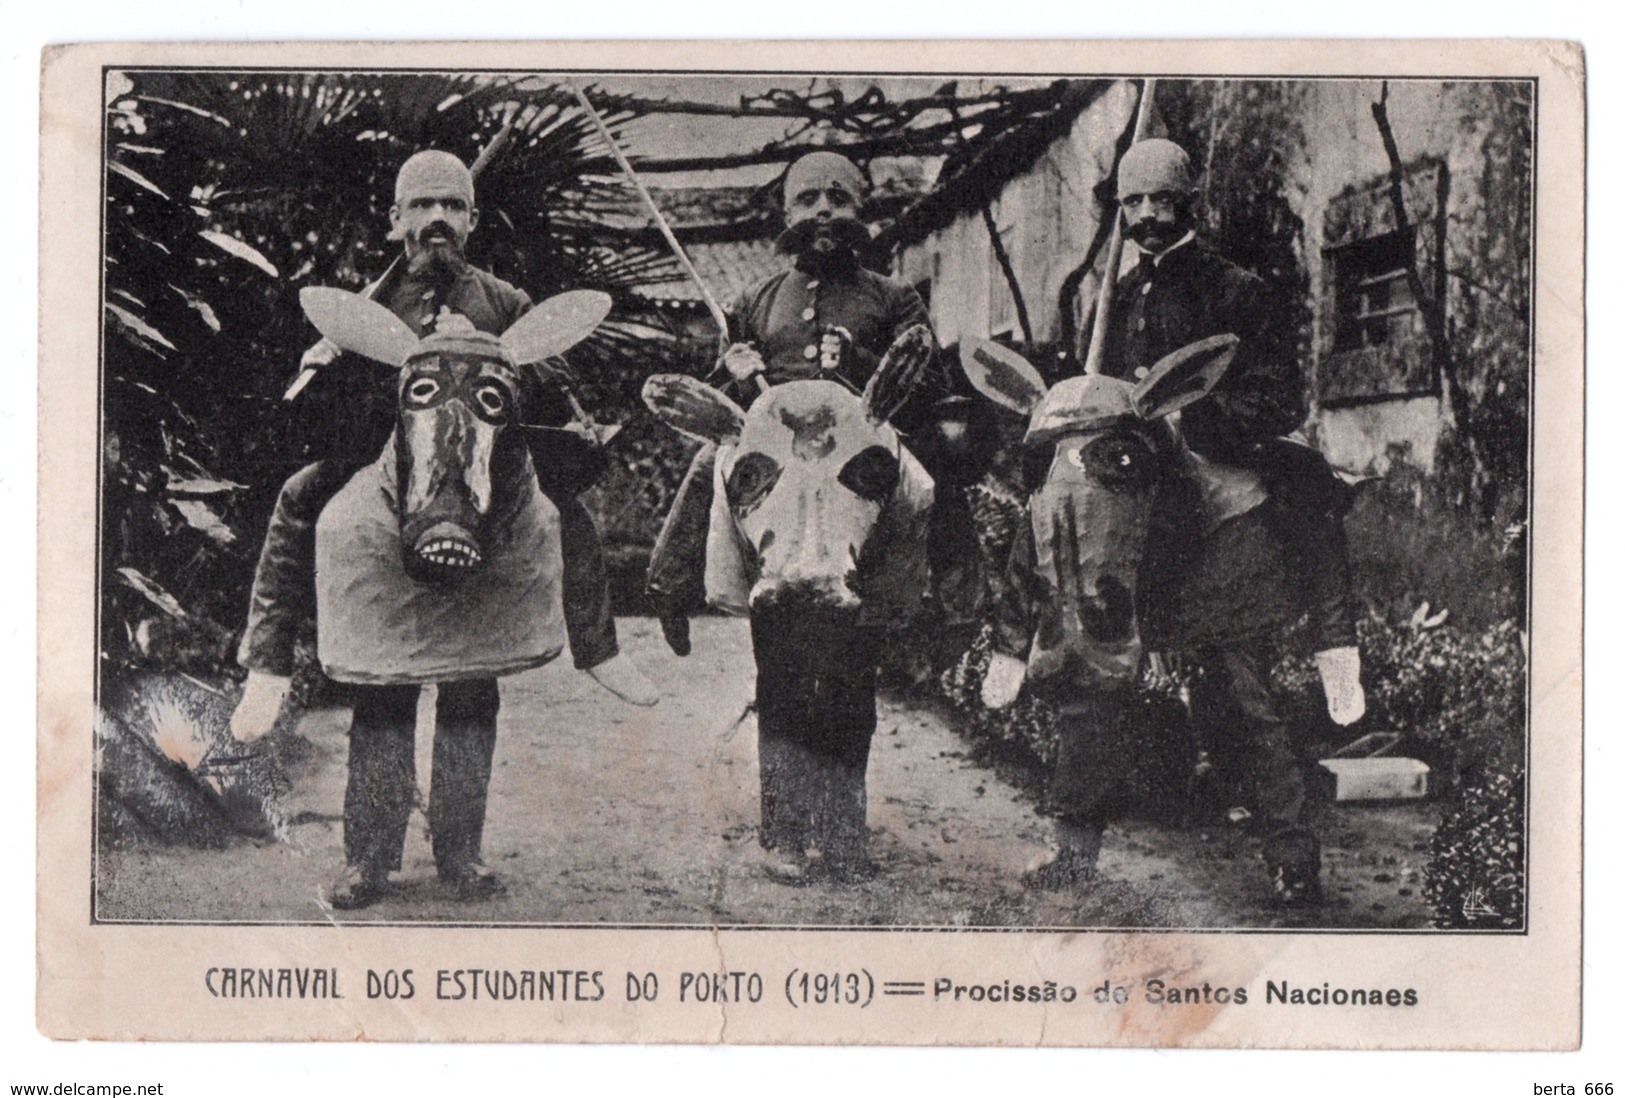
(1179, 292)
(826, 316)
(433, 215)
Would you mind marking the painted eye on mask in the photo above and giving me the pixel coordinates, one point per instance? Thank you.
(422, 390)
(872, 474)
(751, 479)
(491, 402)
(1119, 463)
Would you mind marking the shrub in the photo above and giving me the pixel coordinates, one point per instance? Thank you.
(1457, 697)
(1475, 877)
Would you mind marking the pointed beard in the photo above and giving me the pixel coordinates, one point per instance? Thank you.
(439, 259)
(824, 244)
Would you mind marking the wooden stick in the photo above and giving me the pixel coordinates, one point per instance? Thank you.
(711, 304)
(1094, 361)
(687, 264)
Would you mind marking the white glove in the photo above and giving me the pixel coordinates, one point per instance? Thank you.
(742, 360)
(1002, 684)
(261, 702)
(1340, 677)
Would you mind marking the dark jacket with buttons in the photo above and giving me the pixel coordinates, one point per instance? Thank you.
(786, 315)
(1191, 294)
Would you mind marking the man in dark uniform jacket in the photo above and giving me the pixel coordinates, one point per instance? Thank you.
(432, 216)
(825, 316)
(1179, 292)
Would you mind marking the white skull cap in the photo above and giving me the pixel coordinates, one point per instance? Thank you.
(433, 172)
(819, 169)
(1155, 164)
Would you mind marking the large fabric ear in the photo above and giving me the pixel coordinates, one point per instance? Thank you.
(1184, 377)
(899, 371)
(358, 324)
(1001, 375)
(696, 409)
(555, 325)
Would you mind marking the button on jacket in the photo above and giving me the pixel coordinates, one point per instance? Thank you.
(787, 315)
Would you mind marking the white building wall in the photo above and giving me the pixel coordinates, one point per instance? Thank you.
(1046, 219)
(1343, 147)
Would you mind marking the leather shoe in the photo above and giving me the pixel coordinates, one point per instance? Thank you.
(357, 887)
(791, 867)
(473, 882)
(1295, 884)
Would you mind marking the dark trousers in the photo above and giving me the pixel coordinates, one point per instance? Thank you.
(1316, 553)
(815, 716)
(1235, 719)
(1305, 510)
(676, 578)
(1095, 758)
(284, 595)
(383, 779)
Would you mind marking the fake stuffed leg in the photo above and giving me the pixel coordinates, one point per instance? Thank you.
(256, 712)
(1340, 677)
(1002, 684)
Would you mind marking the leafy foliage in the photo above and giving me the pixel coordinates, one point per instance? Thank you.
(1476, 876)
(170, 772)
(1457, 697)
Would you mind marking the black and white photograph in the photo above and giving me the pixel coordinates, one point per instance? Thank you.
(829, 500)
(1094, 521)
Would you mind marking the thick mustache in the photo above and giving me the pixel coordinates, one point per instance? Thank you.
(438, 229)
(1140, 230)
(846, 234)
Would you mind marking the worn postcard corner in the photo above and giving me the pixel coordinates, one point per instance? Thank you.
(997, 543)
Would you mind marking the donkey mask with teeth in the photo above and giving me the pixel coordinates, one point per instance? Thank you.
(441, 558)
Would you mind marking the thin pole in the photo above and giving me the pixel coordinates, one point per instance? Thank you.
(687, 264)
(1094, 361)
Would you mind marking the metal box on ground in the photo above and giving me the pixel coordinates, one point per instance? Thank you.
(1378, 779)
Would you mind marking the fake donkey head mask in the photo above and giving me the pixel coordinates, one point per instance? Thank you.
(1092, 516)
(824, 507)
(457, 426)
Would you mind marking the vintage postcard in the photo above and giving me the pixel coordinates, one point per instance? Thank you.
(854, 543)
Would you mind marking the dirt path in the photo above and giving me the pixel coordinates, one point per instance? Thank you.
(602, 813)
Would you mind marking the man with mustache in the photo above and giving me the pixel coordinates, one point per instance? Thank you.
(434, 288)
(1181, 291)
(825, 316)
